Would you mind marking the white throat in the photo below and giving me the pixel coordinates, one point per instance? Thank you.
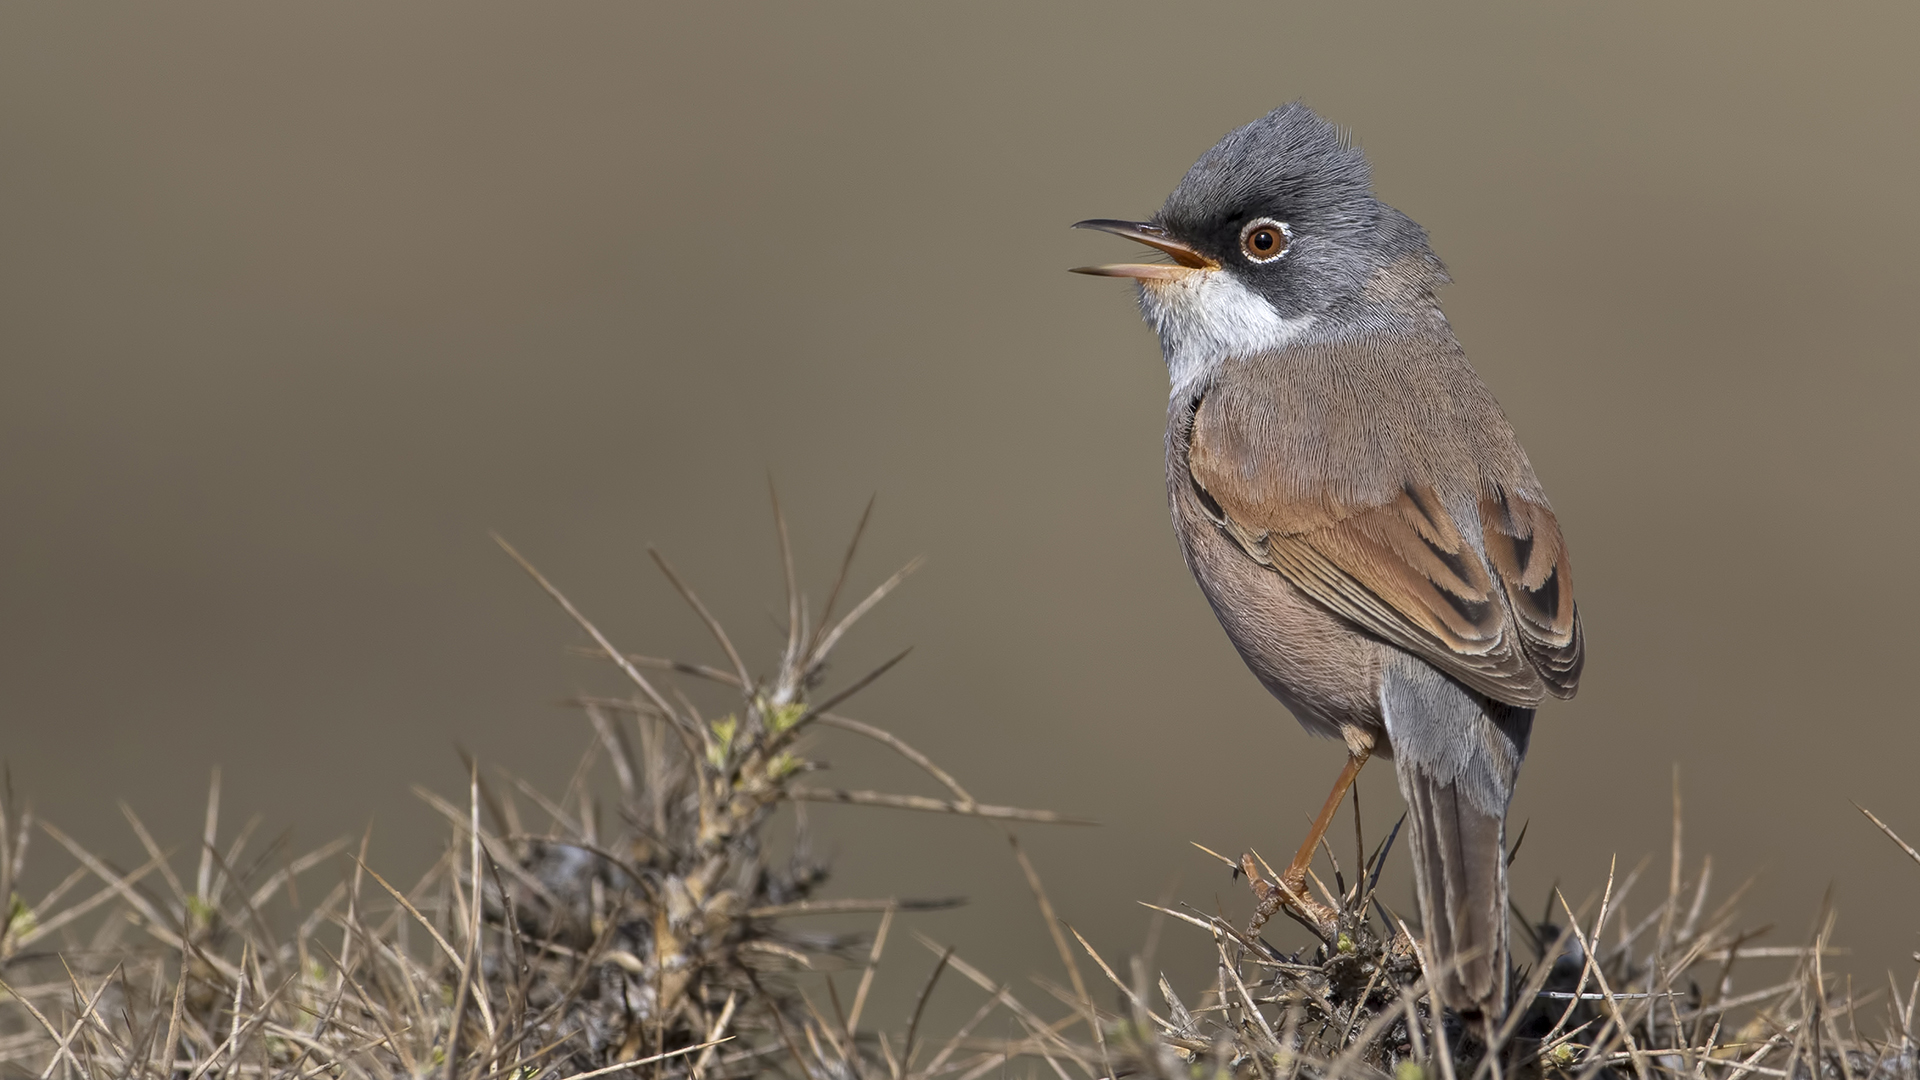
(1207, 316)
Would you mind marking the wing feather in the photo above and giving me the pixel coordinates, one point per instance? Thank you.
(1496, 612)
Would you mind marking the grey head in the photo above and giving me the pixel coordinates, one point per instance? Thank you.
(1274, 230)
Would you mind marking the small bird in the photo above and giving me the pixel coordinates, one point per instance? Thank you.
(1356, 507)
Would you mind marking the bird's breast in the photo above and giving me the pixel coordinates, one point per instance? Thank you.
(1318, 667)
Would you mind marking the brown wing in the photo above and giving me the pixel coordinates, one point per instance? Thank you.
(1404, 570)
(1530, 560)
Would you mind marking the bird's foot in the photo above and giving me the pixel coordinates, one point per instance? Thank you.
(1289, 895)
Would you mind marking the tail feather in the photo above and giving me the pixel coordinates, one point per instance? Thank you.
(1457, 756)
(1460, 875)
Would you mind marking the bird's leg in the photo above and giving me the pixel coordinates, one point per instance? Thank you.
(1296, 874)
(1290, 892)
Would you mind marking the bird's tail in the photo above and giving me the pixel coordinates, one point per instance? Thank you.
(1460, 874)
(1457, 756)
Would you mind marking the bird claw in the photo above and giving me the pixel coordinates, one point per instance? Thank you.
(1289, 895)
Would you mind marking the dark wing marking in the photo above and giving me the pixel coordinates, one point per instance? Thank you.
(1524, 544)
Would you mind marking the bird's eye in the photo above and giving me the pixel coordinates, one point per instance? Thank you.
(1264, 239)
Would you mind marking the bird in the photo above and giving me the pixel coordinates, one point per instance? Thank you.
(1356, 507)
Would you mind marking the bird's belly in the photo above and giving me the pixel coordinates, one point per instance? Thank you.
(1324, 672)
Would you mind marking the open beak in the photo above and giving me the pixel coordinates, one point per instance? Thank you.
(1185, 259)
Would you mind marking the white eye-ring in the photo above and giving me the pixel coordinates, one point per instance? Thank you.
(1264, 239)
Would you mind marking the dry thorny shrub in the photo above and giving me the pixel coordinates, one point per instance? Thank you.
(664, 944)
(1657, 1000)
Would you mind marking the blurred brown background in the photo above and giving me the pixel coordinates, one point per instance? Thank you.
(299, 301)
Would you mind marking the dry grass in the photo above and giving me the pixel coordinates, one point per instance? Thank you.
(639, 924)
(1601, 996)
